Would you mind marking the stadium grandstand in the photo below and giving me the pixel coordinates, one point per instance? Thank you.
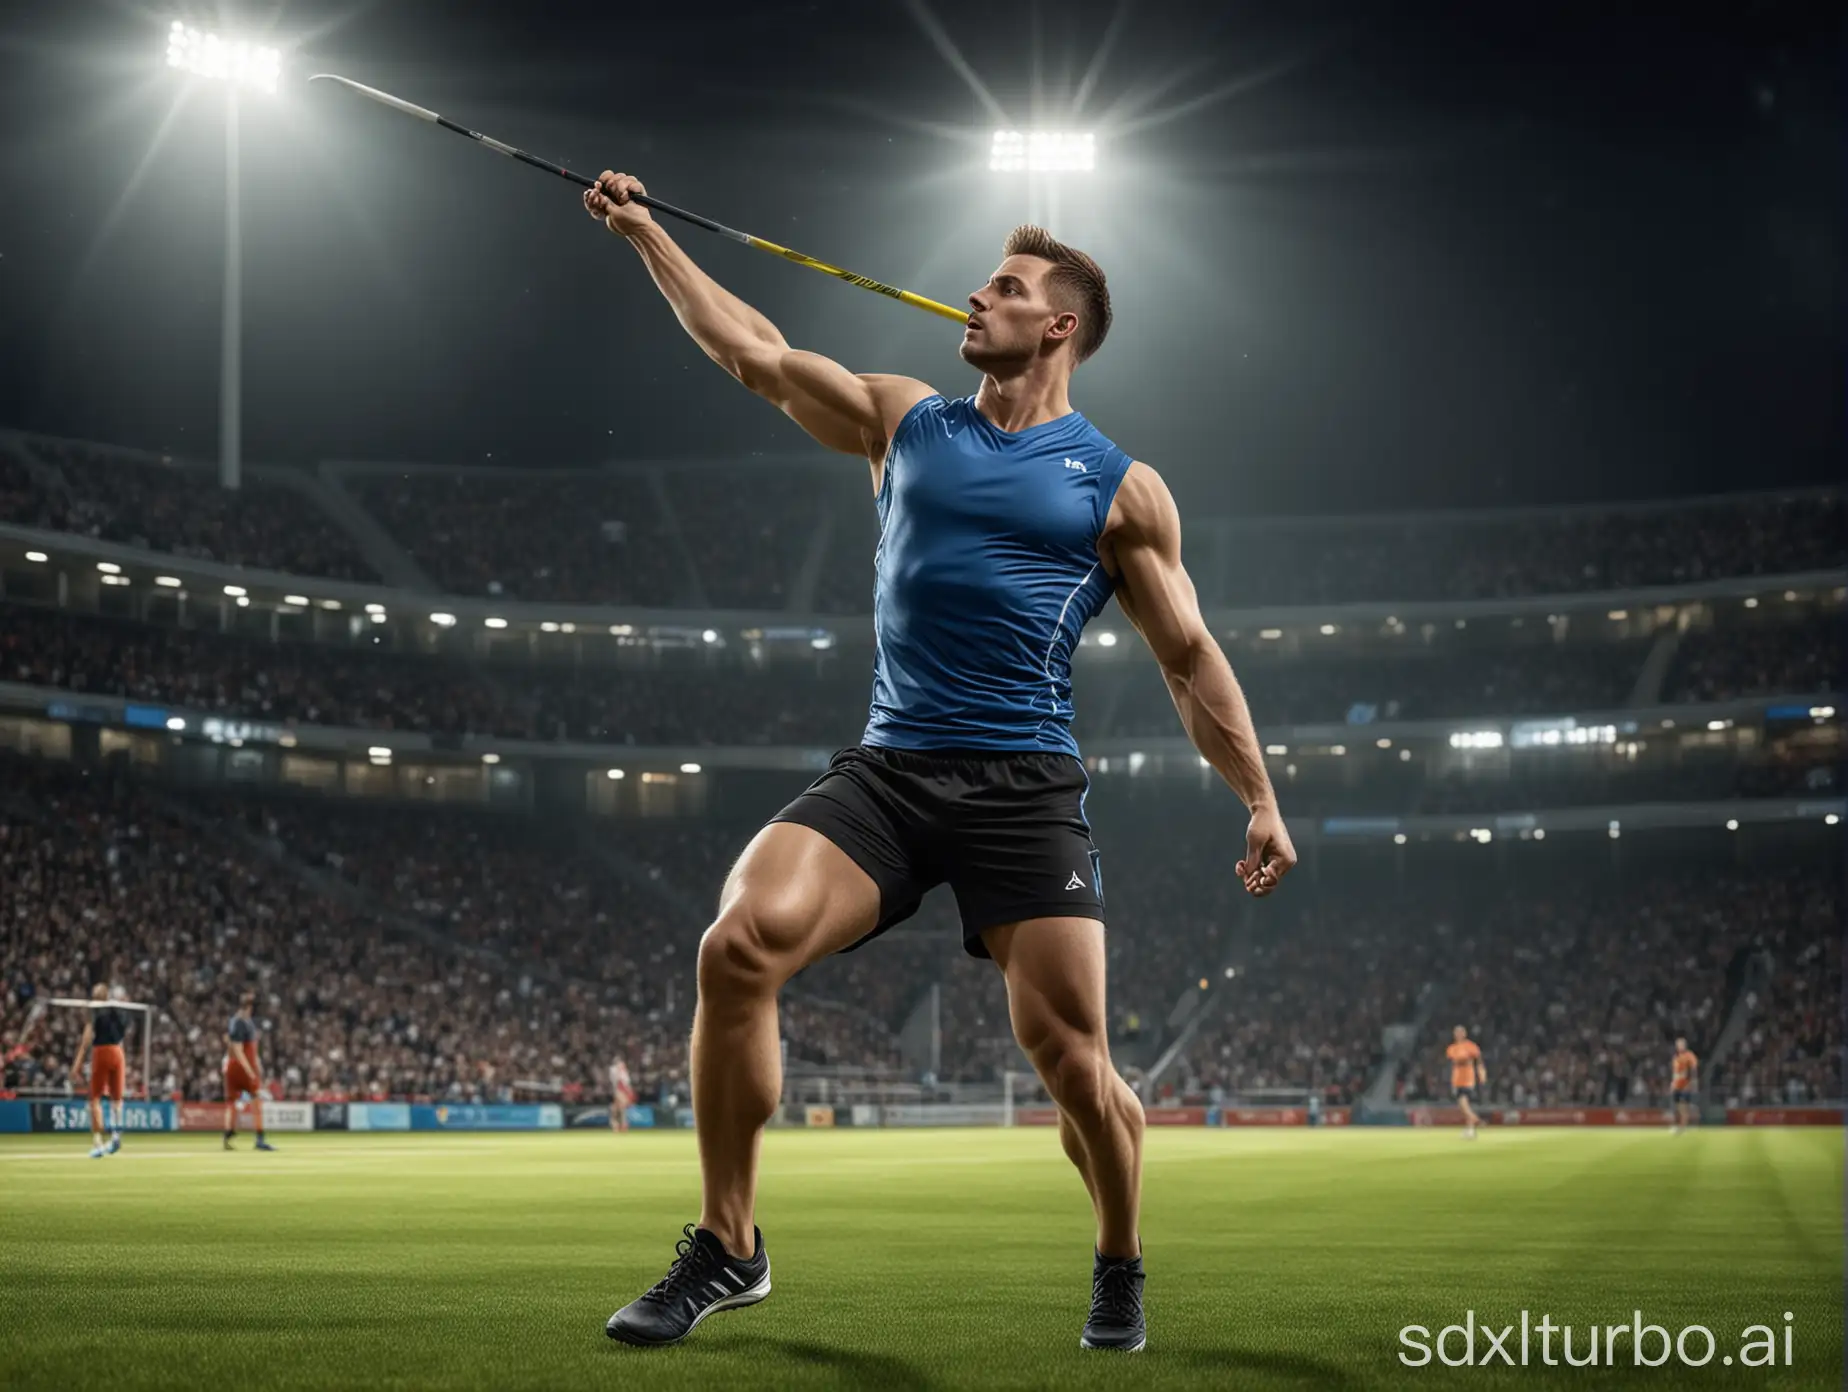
(447, 765)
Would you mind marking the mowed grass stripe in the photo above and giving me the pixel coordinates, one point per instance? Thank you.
(901, 1259)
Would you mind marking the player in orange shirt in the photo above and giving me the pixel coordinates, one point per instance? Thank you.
(1466, 1075)
(1682, 1091)
(243, 1073)
(103, 1034)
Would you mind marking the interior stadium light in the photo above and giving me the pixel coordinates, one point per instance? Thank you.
(378, 751)
(621, 630)
(1790, 596)
(1618, 614)
(1277, 750)
(329, 603)
(176, 723)
(300, 599)
(1231, 972)
(1405, 756)
(494, 623)
(1751, 601)
(375, 608)
(1476, 739)
(167, 582)
(1042, 152)
(1398, 838)
(549, 626)
(207, 55)
(1329, 630)
(1337, 750)
(1717, 725)
(1270, 633)
(1203, 983)
(109, 567)
(115, 579)
(236, 591)
(490, 758)
(378, 617)
(243, 601)
(1822, 712)
(614, 775)
(1106, 639)
(821, 642)
(443, 620)
(1831, 819)
(37, 557)
(1383, 743)
(689, 768)
(567, 628)
(1616, 830)
(710, 635)
(1732, 823)
(1539, 833)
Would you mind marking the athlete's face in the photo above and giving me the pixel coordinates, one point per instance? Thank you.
(1460, 1033)
(1011, 321)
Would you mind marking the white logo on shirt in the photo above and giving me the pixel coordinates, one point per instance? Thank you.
(1074, 882)
(1074, 464)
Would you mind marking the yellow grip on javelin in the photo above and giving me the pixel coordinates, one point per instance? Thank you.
(909, 297)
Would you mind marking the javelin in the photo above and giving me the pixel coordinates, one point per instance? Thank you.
(916, 301)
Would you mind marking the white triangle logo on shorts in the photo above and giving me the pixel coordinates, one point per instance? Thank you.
(1074, 882)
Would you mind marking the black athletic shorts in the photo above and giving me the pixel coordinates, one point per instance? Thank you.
(1464, 1094)
(1006, 832)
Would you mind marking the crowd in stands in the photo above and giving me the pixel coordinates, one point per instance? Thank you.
(1577, 995)
(1509, 555)
(376, 687)
(1809, 658)
(587, 536)
(179, 508)
(737, 535)
(475, 954)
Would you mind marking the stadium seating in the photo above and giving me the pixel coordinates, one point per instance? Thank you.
(178, 508)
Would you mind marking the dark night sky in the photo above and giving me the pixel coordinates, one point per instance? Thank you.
(1473, 254)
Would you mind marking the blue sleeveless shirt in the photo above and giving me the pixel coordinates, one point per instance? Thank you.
(987, 572)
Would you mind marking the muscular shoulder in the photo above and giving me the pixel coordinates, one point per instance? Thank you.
(893, 398)
(1142, 514)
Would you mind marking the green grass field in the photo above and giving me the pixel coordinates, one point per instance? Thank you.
(905, 1260)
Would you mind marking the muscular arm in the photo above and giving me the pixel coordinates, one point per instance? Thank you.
(1144, 542)
(849, 412)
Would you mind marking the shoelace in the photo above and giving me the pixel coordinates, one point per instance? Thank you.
(1114, 1295)
(691, 1264)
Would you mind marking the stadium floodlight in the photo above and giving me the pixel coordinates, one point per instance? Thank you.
(1106, 639)
(1398, 838)
(236, 591)
(176, 723)
(1751, 601)
(168, 582)
(1822, 712)
(549, 626)
(1539, 833)
(37, 557)
(494, 623)
(490, 758)
(443, 620)
(1277, 750)
(109, 567)
(243, 601)
(329, 603)
(710, 635)
(239, 66)
(1329, 630)
(226, 60)
(615, 775)
(115, 580)
(1043, 152)
(1831, 819)
(375, 608)
(689, 768)
(1732, 823)
(378, 751)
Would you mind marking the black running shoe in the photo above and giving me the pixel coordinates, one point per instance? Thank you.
(704, 1279)
(1116, 1306)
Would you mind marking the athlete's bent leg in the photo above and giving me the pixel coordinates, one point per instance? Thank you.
(793, 898)
(1055, 995)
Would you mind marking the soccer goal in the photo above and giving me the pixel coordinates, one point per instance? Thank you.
(146, 1023)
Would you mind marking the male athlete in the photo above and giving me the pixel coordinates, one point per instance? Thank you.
(1682, 1090)
(103, 1034)
(1467, 1073)
(622, 1095)
(1007, 522)
(243, 1073)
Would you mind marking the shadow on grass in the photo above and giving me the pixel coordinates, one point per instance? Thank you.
(854, 1368)
(1299, 1367)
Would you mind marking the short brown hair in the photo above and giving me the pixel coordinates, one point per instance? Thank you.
(1077, 283)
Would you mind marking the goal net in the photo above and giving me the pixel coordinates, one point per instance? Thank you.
(141, 1020)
